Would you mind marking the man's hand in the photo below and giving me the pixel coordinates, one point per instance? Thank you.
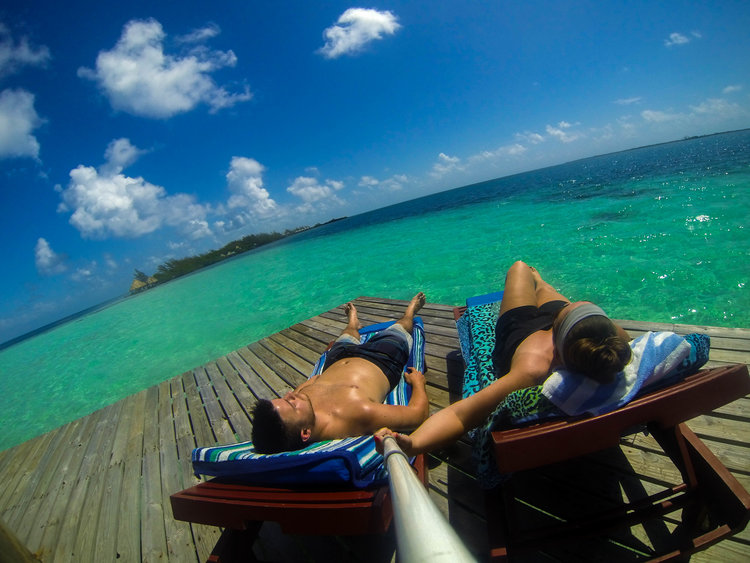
(403, 440)
(414, 377)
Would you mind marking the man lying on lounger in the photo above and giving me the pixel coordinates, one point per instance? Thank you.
(346, 398)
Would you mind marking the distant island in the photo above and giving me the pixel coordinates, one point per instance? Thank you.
(177, 267)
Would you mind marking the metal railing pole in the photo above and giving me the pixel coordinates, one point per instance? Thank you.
(422, 532)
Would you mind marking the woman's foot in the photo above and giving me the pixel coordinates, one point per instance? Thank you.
(535, 274)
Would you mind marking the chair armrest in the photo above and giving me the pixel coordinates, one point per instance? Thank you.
(541, 444)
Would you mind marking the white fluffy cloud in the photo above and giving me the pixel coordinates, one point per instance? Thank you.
(719, 108)
(18, 119)
(676, 39)
(355, 28)
(680, 39)
(732, 88)
(532, 138)
(656, 116)
(500, 153)
(48, 262)
(119, 155)
(245, 181)
(15, 54)
(138, 77)
(368, 182)
(712, 111)
(562, 132)
(311, 191)
(628, 101)
(105, 202)
(444, 165)
(200, 35)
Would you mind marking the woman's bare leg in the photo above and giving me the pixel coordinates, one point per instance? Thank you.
(520, 287)
(544, 291)
(524, 286)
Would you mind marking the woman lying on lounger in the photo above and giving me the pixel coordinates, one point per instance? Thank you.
(537, 331)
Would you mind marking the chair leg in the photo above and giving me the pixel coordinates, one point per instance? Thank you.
(498, 502)
(236, 546)
(722, 504)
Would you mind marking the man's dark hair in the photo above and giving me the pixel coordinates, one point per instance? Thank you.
(270, 434)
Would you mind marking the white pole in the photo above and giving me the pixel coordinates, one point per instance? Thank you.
(422, 532)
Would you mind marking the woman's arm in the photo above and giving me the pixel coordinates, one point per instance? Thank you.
(448, 425)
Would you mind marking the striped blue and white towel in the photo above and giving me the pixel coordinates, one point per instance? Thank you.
(655, 356)
(348, 460)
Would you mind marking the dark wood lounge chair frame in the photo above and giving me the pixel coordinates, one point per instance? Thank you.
(707, 488)
(241, 509)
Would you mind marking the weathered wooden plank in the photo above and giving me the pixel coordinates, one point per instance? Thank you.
(318, 340)
(129, 523)
(22, 484)
(35, 523)
(105, 548)
(446, 487)
(644, 326)
(302, 335)
(264, 379)
(300, 366)
(203, 537)
(20, 472)
(180, 546)
(245, 399)
(736, 410)
(184, 435)
(324, 326)
(216, 416)
(720, 429)
(46, 474)
(70, 546)
(92, 504)
(729, 356)
(153, 529)
(204, 434)
(308, 355)
(734, 456)
(256, 387)
(291, 376)
(44, 540)
(235, 413)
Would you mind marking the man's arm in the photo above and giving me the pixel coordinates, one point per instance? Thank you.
(401, 417)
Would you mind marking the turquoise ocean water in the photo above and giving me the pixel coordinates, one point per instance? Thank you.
(655, 234)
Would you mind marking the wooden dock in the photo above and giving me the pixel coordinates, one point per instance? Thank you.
(97, 489)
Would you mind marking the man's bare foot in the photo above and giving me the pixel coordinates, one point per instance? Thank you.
(416, 303)
(351, 313)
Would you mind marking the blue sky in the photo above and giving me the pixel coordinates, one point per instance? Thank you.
(135, 132)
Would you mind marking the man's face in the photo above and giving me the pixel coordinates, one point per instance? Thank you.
(295, 410)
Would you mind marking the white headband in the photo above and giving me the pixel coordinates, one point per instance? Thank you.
(573, 318)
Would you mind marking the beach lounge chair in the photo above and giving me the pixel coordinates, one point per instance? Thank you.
(714, 504)
(337, 487)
